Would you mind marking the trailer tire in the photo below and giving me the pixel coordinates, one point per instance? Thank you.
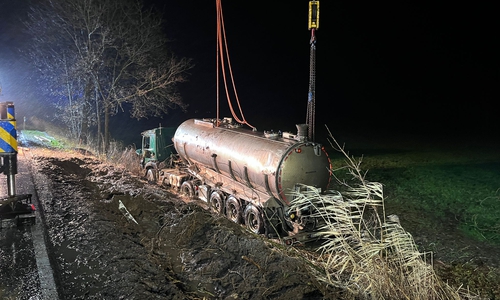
(187, 189)
(233, 210)
(253, 219)
(217, 202)
(151, 175)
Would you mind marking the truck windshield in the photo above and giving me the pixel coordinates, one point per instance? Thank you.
(145, 142)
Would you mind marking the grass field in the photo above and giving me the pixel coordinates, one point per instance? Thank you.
(436, 180)
(42, 138)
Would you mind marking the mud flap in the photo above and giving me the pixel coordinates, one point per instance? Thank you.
(275, 226)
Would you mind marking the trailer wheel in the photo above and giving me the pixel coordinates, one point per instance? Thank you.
(253, 219)
(233, 210)
(217, 202)
(150, 175)
(187, 189)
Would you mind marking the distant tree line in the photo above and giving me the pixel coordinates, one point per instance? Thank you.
(96, 56)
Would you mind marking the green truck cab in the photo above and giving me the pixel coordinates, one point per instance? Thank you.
(156, 147)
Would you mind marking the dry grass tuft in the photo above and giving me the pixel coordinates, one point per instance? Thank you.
(127, 158)
(364, 252)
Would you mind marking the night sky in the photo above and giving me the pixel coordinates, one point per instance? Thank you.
(403, 66)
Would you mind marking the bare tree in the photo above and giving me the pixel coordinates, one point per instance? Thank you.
(139, 68)
(118, 52)
(59, 79)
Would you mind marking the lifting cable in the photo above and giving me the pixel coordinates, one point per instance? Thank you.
(221, 58)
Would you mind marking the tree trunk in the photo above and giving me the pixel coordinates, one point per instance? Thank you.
(106, 128)
(98, 116)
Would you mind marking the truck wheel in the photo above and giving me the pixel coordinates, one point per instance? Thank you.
(187, 189)
(151, 175)
(253, 219)
(233, 210)
(217, 202)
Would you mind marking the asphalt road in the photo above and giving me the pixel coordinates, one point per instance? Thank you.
(25, 271)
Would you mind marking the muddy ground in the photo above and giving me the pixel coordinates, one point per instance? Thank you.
(177, 249)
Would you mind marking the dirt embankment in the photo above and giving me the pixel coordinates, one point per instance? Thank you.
(169, 250)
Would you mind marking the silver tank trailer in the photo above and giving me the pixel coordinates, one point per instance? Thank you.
(270, 164)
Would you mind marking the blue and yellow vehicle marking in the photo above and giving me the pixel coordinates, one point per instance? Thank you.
(8, 131)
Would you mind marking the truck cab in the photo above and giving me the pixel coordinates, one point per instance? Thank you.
(156, 147)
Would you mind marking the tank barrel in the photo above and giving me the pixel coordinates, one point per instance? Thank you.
(269, 164)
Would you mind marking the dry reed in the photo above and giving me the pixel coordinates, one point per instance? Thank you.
(365, 252)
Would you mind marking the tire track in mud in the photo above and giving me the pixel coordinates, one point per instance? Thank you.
(95, 257)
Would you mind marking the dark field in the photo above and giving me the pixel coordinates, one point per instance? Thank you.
(446, 192)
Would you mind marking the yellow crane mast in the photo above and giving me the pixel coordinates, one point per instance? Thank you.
(311, 105)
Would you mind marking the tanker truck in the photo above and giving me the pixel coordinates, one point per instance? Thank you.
(250, 177)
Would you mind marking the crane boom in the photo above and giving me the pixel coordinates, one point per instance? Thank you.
(311, 99)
